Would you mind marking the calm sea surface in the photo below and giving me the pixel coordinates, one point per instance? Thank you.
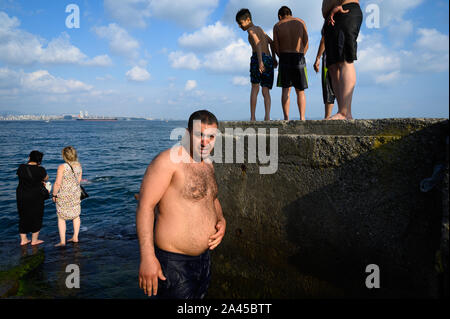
(114, 156)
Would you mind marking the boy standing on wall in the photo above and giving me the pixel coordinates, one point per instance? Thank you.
(262, 62)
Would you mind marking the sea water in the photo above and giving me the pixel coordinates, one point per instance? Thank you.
(114, 156)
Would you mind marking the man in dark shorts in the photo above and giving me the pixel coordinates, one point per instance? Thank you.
(291, 44)
(344, 19)
(327, 88)
(180, 182)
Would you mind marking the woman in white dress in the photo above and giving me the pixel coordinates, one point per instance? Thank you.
(66, 194)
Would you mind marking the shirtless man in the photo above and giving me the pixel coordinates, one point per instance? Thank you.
(290, 39)
(261, 62)
(175, 249)
(344, 19)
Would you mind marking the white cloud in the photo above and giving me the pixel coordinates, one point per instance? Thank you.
(181, 60)
(385, 64)
(233, 58)
(240, 81)
(120, 42)
(138, 74)
(40, 81)
(19, 47)
(433, 40)
(190, 85)
(376, 57)
(208, 38)
(101, 60)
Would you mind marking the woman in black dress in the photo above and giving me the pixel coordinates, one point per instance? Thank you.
(30, 201)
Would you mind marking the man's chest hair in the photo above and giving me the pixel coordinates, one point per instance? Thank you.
(199, 181)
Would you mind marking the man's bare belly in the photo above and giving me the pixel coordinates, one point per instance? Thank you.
(185, 231)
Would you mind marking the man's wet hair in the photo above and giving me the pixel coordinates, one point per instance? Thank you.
(206, 117)
(243, 14)
(284, 11)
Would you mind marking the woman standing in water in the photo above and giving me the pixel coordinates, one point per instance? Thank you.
(30, 201)
(66, 194)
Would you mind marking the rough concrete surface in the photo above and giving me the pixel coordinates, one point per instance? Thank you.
(346, 195)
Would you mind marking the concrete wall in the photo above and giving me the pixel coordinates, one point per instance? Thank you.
(345, 195)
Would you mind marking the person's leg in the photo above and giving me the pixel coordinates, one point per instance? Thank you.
(253, 100)
(35, 240)
(285, 101)
(62, 232)
(23, 239)
(336, 81)
(301, 102)
(76, 229)
(328, 109)
(267, 102)
(348, 80)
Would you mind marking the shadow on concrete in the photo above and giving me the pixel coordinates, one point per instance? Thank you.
(374, 213)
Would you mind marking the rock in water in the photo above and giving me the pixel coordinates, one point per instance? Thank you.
(9, 279)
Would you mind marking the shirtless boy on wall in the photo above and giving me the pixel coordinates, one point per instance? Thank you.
(262, 62)
(290, 39)
(175, 249)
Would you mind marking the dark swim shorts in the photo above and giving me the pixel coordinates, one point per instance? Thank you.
(265, 78)
(340, 39)
(187, 277)
(327, 88)
(292, 71)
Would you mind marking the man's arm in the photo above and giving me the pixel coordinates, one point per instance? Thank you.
(272, 50)
(58, 181)
(221, 226)
(320, 51)
(305, 40)
(276, 44)
(155, 183)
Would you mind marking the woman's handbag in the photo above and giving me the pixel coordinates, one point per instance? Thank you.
(44, 191)
(84, 194)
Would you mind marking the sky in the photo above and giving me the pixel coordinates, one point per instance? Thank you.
(169, 58)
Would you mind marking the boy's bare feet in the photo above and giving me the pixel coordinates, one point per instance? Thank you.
(37, 242)
(73, 240)
(337, 116)
(23, 243)
(60, 244)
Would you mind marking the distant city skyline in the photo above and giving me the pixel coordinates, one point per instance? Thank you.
(165, 59)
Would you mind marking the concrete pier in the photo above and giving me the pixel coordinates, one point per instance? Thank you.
(345, 195)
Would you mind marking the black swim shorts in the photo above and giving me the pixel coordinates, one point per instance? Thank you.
(187, 277)
(265, 78)
(292, 71)
(340, 39)
(327, 88)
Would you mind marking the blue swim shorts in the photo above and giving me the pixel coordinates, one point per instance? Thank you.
(265, 79)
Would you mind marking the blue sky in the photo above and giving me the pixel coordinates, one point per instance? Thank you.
(167, 58)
